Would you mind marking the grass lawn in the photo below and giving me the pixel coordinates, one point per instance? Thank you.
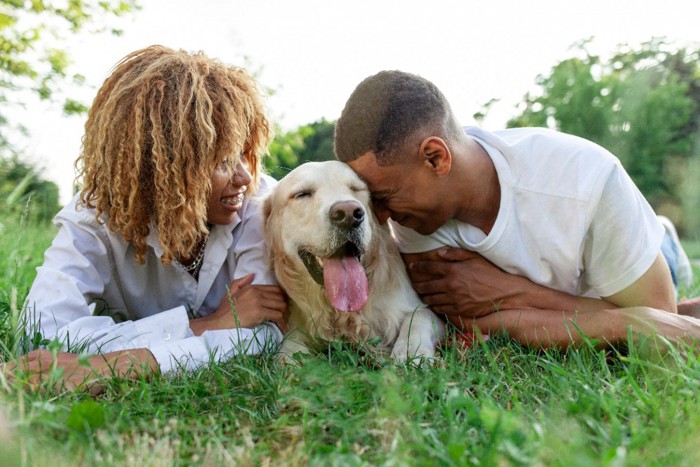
(493, 404)
(692, 249)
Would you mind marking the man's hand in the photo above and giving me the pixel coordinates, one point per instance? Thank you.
(43, 370)
(245, 306)
(453, 281)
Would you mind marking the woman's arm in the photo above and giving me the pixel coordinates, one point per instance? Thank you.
(244, 306)
(43, 370)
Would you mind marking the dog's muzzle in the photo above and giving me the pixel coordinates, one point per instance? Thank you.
(314, 264)
(346, 215)
(339, 268)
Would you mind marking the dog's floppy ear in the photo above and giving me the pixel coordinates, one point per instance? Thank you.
(268, 233)
(267, 208)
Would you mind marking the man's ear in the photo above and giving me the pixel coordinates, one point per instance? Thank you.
(435, 155)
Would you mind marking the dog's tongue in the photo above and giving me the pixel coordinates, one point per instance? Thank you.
(346, 283)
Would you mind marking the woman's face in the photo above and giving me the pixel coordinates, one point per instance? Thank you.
(227, 192)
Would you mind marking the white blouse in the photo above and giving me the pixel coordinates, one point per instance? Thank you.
(93, 296)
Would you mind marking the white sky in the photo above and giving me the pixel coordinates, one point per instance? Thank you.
(312, 53)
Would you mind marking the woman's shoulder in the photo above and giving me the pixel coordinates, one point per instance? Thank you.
(267, 183)
(78, 213)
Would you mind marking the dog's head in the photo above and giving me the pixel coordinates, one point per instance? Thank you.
(319, 225)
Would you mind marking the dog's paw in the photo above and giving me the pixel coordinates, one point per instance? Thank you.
(405, 352)
(290, 349)
(286, 359)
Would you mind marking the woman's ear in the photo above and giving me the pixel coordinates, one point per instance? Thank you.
(436, 155)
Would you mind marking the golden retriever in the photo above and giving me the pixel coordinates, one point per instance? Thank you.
(342, 270)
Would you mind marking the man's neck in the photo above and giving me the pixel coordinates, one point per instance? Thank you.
(476, 181)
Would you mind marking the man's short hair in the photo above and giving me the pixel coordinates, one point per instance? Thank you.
(389, 110)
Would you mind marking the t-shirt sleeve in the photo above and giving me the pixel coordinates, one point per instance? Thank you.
(624, 236)
(410, 241)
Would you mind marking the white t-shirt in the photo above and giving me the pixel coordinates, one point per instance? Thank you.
(570, 217)
(91, 293)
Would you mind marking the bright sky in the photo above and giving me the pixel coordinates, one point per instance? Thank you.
(312, 53)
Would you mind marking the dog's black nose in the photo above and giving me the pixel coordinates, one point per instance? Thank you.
(347, 214)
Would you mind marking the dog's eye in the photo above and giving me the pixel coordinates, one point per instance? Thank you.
(302, 194)
(357, 189)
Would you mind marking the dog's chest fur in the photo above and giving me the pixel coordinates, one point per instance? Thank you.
(322, 323)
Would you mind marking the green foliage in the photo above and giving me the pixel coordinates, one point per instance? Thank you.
(312, 142)
(642, 104)
(23, 191)
(570, 88)
(23, 243)
(32, 34)
(86, 416)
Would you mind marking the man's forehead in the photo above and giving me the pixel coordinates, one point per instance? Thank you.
(367, 160)
(366, 168)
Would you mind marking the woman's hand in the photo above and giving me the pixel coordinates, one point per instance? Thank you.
(245, 306)
(46, 371)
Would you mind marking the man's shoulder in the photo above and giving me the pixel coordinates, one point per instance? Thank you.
(547, 162)
(536, 138)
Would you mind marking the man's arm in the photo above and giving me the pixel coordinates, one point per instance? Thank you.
(471, 291)
(546, 328)
(460, 282)
(456, 281)
(653, 289)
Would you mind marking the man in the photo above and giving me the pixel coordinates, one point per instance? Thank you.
(535, 232)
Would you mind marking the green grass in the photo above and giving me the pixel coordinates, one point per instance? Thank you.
(494, 404)
(692, 249)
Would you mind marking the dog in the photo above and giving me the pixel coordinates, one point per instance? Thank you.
(340, 268)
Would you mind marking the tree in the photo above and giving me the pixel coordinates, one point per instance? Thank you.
(31, 60)
(643, 104)
(318, 143)
(312, 142)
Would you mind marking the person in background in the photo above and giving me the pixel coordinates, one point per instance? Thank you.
(526, 230)
(676, 257)
(159, 262)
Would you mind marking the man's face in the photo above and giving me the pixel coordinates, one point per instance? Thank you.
(404, 192)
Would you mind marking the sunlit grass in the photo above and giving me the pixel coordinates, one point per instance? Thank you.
(494, 404)
(692, 249)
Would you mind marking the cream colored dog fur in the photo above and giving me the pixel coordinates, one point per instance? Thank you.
(341, 269)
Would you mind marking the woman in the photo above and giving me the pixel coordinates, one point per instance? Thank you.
(159, 262)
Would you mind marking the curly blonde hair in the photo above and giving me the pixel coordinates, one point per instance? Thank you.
(160, 125)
